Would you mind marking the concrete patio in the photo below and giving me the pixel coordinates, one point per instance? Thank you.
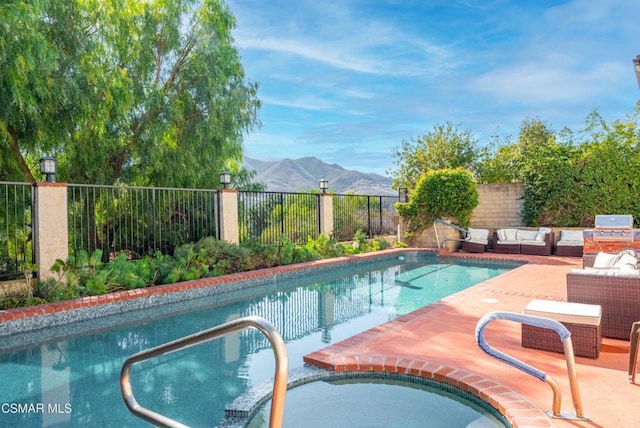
(438, 341)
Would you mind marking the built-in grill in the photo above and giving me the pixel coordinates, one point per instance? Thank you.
(613, 228)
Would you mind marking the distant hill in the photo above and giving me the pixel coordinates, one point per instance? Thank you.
(295, 175)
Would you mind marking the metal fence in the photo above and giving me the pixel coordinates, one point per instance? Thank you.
(143, 220)
(15, 228)
(374, 215)
(138, 220)
(266, 216)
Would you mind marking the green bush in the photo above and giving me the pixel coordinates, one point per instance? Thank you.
(86, 275)
(444, 193)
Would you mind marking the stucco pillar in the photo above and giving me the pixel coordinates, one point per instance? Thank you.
(326, 214)
(229, 216)
(50, 230)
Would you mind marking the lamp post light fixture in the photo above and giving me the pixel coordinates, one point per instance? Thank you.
(48, 168)
(225, 179)
(636, 66)
(324, 185)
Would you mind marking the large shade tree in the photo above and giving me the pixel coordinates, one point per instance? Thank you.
(445, 146)
(139, 92)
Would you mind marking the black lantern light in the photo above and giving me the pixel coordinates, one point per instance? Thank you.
(225, 179)
(48, 168)
(324, 185)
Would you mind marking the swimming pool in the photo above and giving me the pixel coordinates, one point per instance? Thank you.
(72, 379)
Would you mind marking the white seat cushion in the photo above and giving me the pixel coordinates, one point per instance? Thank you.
(534, 242)
(633, 273)
(570, 243)
(569, 312)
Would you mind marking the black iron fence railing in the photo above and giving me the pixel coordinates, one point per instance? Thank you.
(143, 220)
(374, 215)
(138, 220)
(266, 216)
(15, 228)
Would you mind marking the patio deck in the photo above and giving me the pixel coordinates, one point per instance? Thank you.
(439, 341)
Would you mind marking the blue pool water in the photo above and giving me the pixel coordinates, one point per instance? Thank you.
(73, 379)
(393, 402)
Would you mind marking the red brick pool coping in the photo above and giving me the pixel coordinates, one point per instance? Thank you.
(518, 411)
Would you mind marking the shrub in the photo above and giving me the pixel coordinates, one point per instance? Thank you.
(84, 275)
(443, 193)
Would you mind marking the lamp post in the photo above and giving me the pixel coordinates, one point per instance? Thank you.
(324, 185)
(636, 67)
(225, 179)
(48, 168)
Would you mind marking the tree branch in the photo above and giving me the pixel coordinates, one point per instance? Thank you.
(15, 149)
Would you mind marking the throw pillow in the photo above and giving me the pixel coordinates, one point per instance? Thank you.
(626, 261)
(604, 260)
(542, 233)
(510, 234)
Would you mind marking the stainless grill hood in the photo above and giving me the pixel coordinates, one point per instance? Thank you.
(613, 228)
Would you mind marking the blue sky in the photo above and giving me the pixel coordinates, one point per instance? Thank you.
(348, 80)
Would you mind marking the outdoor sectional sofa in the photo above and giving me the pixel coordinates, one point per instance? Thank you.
(519, 241)
(613, 282)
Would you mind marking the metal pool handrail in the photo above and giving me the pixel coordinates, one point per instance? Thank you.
(565, 336)
(279, 383)
(446, 223)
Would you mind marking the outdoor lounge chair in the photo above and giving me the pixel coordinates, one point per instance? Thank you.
(570, 244)
(477, 242)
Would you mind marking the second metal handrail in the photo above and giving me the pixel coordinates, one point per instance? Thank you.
(565, 336)
(279, 385)
(458, 228)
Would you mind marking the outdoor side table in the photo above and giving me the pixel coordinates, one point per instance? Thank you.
(583, 322)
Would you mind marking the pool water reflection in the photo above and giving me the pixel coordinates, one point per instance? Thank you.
(75, 380)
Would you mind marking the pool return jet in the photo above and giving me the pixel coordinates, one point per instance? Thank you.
(565, 336)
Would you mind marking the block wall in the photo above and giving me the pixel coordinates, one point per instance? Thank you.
(500, 205)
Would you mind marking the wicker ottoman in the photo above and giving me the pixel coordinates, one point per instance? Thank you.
(582, 320)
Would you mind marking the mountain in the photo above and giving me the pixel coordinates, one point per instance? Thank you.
(295, 175)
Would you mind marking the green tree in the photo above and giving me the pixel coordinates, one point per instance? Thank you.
(146, 93)
(607, 166)
(446, 146)
(496, 162)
